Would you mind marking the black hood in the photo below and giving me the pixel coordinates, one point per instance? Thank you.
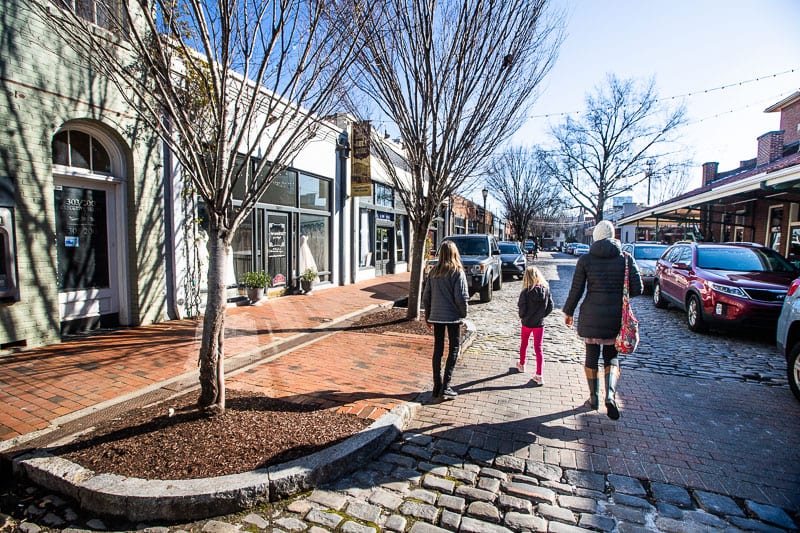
(606, 248)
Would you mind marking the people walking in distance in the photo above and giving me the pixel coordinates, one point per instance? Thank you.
(601, 274)
(444, 300)
(535, 303)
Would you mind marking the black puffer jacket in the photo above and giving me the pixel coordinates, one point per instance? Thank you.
(601, 274)
(534, 304)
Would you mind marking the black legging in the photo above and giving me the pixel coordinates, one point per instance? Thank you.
(454, 343)
(593, 356)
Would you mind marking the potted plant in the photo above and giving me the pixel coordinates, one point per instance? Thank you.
(307, 278)
(256, 283)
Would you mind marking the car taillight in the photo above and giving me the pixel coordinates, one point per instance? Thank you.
(793, 287)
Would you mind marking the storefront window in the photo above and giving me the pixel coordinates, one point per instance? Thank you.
(775, 225)
(400, 239)
(242, 246)
(460, 225)
(282, 190)
(383, 195)
(314, 193)
(316, 228)
(364, 241)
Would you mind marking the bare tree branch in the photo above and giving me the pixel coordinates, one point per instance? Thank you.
(222, 83)
(528, 197)
(604, 153)
(456, 77)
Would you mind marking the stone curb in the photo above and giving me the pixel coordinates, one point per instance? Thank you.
(188, 499)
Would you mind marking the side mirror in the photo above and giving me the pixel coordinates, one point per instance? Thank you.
(495, 252)
(680, 265)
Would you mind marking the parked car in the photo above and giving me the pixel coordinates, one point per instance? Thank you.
(788, 336)
(513, 259)
(528, 246)
(645, 254)
(723, 284)
(480, 255)
(580, 249)
(569, 248)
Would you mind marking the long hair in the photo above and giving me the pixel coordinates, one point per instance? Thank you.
(533, 277)
(449, 260)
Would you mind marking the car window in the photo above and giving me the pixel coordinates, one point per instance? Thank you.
(736, 259)
(673, 254)
(742, 260)
(472, 246)
(686, 255)
(508, 248)
(776, 262)
(628, 248)
(648, 252)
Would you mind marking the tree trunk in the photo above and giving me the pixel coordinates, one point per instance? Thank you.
(417, 265)
(212, 354)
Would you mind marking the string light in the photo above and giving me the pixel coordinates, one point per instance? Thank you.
(686, 95)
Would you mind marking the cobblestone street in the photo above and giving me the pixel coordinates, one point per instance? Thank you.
(707, 441)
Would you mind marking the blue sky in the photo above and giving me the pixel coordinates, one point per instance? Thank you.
(689, 46)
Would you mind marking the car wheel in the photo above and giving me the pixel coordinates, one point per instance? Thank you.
(486, 293)
(694, 315)
(658, 298)
(793, 370)
(498, 283)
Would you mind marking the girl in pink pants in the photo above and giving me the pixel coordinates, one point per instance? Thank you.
(535, 303)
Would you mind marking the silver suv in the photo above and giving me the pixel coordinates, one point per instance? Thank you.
(788, 336)
(480, 255)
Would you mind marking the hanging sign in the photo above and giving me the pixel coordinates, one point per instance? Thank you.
(360, 176)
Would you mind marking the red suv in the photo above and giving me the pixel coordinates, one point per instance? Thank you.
(723, 284)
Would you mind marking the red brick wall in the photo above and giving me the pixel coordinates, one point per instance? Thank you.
(770, 147)
(790, 119)
(709, 172)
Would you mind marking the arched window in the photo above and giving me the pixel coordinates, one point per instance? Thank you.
(73, 148)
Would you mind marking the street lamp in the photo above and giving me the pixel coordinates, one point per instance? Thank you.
(485, 193)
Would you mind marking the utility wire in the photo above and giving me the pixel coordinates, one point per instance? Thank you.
(686, 95)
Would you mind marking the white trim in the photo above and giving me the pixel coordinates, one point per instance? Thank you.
(771, 179)
(115, 187)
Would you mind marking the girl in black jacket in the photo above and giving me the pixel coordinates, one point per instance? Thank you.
(534, 304)
(601, 273)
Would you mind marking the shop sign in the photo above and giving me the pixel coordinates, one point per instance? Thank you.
(360, 172)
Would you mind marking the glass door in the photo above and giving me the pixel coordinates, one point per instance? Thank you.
(278, 248)
(381, 250)
(86, 250)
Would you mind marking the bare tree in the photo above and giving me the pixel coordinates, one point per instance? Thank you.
(528, 197)
(667, 181)
(456, 77)
(234, 90)
(604, 152)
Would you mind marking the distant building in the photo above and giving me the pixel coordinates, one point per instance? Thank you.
(759, 201)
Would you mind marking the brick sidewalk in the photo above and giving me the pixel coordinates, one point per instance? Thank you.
(363, 372)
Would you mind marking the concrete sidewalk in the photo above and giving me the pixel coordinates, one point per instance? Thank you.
(56, 389)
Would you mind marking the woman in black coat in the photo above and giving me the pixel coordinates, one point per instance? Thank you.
(601, 273)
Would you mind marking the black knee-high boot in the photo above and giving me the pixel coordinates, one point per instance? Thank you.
(594, 387)
(612, 375)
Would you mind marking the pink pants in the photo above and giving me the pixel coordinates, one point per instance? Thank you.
(538, 333)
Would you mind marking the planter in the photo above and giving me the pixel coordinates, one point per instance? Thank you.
(255, 295)
(306, 285)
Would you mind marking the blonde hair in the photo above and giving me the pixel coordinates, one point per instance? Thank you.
(533, 277)
(449, 260)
